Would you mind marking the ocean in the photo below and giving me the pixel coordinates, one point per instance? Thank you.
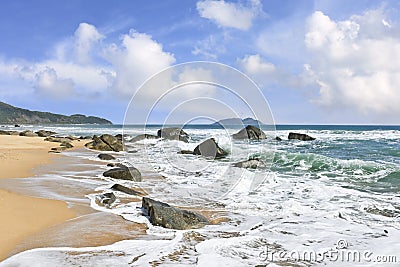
(328, 202)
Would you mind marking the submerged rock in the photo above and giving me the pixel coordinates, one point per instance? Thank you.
(124, 173)
(173, 134)
(104, 156)
(106, 199)
(141, 137)
(125, 190)
(250, 132)
(162, 214)
(299, 136)
(251, 164)
(210, 149)
(277, 138)
(44, 133)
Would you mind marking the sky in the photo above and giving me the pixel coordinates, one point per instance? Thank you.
(315, 61)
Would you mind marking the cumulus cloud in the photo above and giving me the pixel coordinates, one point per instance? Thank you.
(355, 62)
(49, 84)
(261, 71)
(232, 15)
(86, 35)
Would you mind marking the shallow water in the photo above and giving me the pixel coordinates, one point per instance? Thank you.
(337, 194)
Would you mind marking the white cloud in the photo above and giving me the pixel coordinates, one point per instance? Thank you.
(261, 71)
(231, 15)
(138, 58)
(85, 37)
(355, 62)
(49, 84)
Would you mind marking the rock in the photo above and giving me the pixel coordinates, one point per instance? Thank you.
(2, 132)
(299, 136)
(125, 190)
(44, 133)
(116, 165)
(58, 149)
(251, 164)
(119, 137)
(141, 137)
(57, 139)
(72, 138)
(106, 199)
(162, 214)
(103, 156)
(124, 173)
(185, 152)
(173, 134)
(250, 132)
(98, 144)
(277, 138)
(210, 149)
(66, 145)
(85, 137)
(28, 133)
(16, 125)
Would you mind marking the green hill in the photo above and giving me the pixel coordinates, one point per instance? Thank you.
(13, 115)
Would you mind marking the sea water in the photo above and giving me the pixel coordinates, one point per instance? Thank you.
(332, 201)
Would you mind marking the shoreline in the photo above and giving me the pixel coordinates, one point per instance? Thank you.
(23, 216)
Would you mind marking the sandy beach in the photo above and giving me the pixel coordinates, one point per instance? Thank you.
(23, 216)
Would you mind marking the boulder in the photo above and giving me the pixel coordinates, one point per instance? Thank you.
(124, 173)
(66, 145)
(28, 133)
(116, 165)
(141, 137)
(58, 149)
(251, 164)
(173, 134)
(250, 132)
(106, 199)
(17, 126)
(277, 138)
(57, 139)
(104, 156)
(185, 152)
(113, 142)
(119, 137)
(210, 149)
(44, 133)
(72, 138)
(2, 132)
(125, 190)
(299, 136)
(162, 214)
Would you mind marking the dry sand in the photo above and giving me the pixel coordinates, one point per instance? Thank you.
(22, 216)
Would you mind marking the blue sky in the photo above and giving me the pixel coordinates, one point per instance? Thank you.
(318, 62)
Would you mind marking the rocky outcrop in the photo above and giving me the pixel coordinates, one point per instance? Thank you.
(250, 132)
(105, 142)
(299, 136)
(250, 164)
(103, 156)
(28, 133)
(44, 133)
(126, 190)
(124, 173)
(173, 134)
(2, 132)
(210, 149)
(141, 137)
(106, 199)
(57, 139)
(162, 214)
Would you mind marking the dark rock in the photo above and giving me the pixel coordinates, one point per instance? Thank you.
(124, 173)
(85, 137)
(116, 165)
(103, 156)
(98, 144)
(72, 138)
(28, 133)
(66, 145)
(141, 137)
(58, 149)
(251, 164)
(2, 132)
(185, 152)
(57, 139)
(162, 214)
(113, 142)
(277, 138)
(16, 125)
(210, 149)
(106, 199)
(119, 137)
(125, 190)
(299, 136)
(250, 132)
(173, 134)
(44, 133)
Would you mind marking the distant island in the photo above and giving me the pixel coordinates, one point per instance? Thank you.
(237, 121)
(13, 115)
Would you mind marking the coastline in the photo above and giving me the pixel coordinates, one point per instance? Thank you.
(23, 216)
